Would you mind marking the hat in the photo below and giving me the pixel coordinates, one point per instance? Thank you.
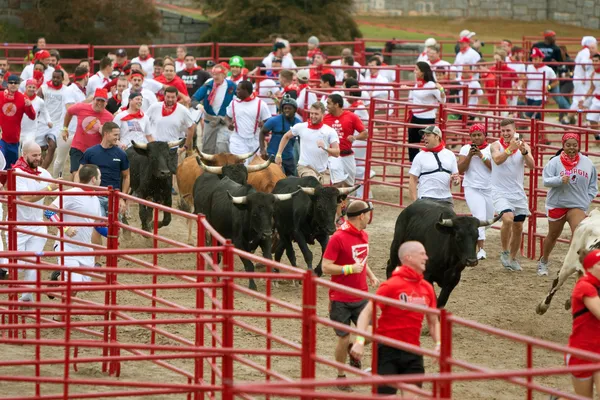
(591, 259)
(31, 82)
(535, 52)
(288, 101)
(430, 42)
(313, 40)
(549, 33)
(466, 33)
(134, 94)
(14, 79)
(588, 41)
(210, 64)
(320, 53)
(237, 61)
(464, 40)
(303, 75)
(101, 94)
(278, 45)
(224, 65)
(431, 129)
(121, 53)
(276, 60)
(478, 127)
(40, 55)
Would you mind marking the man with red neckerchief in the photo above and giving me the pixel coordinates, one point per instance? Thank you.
(407, 285)
(13, 105)
(345, 123)
(466, 56)
(509, 156)
(319, 59)
(121, 60)
(193, 76)
(245, 116)
(345, 259)
(170, 121)
(101, 78)
(133, 122)
(169, 78)
(145, 60)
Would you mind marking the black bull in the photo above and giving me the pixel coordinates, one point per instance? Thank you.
(152, 166)
(450, 242)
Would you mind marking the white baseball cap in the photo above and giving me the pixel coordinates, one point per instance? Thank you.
(303, 75)
(466, 33)
(430, 42)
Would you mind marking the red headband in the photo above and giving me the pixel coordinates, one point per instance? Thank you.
(570, 135)
(591, 259)
(549, 34)
(80, 77)
(31, 82)
(136, 73)
(477, 128)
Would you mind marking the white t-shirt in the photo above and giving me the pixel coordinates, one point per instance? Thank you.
(475, 92)
(133, 129)
(583, 68)
(30, 127)
(429, 94)
(339, 69)
(469, 57)
(310, 153)
(477, 175)
(149, 98)
(151, 85)
(440, 68)
(517, 66)
(436, 185)
(30, 214)
(219, 96)
(89, 205)
(147, 65)
(423, 57)
(170, 128)
(246, 116)
(74, 95)
(55, 103)
(304, 104)
(268, 87)
(535, 81)
(378, 91)
(507, 178)
(96, 81)
(27, 73)
(287, 61)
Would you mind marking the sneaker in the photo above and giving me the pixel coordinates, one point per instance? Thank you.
(514, 266)
(26, 297)
(542, 269)
(481, 254)
(354, 362)
(53, 277)
(505, 258)
(3, 274)
(343, 388)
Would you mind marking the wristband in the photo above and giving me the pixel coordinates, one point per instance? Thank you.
(360, 339)
(484, 159)
(507, 151)
(65, 128)
(526, 152)
(442, 89)
(549, 87)
(65, 229)
(347, 269)
(278, 155)
(49, 188)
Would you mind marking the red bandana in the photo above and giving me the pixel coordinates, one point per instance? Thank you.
(22, 165)
(248, 99)
(302, 87)
(465, 49)
(192, 70)
(38, 76)
(538, 66)
(356, 104)
(120, 67)
(597, 70)
(436, 61)
(420, 83)
(481, 146)
(568, 162)
(213, 92)
(166, 111)
(437, 148)
(81, 88)
(31, 97)
(317, 126)
(51, 85)
(140, 115)
(348, 227)
(144, 58)
(505, 145)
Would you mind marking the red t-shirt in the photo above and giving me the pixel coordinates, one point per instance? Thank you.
(348, 245)
(89, 124)
(491, 90)
(408, 286)
(177, 82)
(585, 326)
(316, 74)
(12, 109)
(345, 125)
(507, 78)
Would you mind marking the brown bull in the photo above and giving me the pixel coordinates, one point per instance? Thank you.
(265, 180)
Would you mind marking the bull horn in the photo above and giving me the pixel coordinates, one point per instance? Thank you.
(446, 222)
(141, 146)
(213, 170)
(490, 221)
(207, 157)
(259, 167)
(348, 190)
(308, 190)
(238, 199)
(175, 143)
(287, 196)
(242, 157)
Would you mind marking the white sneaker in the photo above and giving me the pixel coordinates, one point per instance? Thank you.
(481, 255)
(26, 297)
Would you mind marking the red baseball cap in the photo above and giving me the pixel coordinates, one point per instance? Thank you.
(549, 33)
(465, 39)
(591, 259)
(101, 94)
(40, 55)
(535, 52)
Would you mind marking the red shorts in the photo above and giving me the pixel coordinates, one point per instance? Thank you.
(571, 361)
(556, 214)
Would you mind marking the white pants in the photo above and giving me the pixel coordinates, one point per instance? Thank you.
(343, 169)
(580, 89)
(26, 242)
(62, 152)
(595, 106)
(239, 145)
(481, 205)
(79, 262)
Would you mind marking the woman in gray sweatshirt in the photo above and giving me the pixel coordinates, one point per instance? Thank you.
(573, 183)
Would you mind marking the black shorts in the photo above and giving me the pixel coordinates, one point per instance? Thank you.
(75, 157)
(392, 361)
(344, 313)
(516, 218)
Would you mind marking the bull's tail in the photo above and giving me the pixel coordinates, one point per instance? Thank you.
(183, 205)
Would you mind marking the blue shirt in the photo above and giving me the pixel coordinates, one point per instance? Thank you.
(110, 162)
(279, 126)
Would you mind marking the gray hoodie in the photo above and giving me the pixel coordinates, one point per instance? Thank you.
(581, 189)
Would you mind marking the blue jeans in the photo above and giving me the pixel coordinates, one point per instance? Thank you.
(561, 101)
(10, 152)
(535, 103)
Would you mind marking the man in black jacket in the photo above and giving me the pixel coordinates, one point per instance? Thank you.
(193, 77)
(550, 49)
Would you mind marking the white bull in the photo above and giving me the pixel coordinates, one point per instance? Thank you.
(585, 237)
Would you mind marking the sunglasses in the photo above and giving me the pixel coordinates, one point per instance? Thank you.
(13, 83)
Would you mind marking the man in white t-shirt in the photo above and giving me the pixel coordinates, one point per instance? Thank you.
(145, 60)
(424, 56)
(433, 169)
(535, 81)
(318, 142)
(170, 121)
(44, 57)
(441, 68)
(149, 83)
(245, 116)
(102, 77)
(88, 174)
(583, 71)
(474, 161)
(340, 65)
(375, 76)
(55, 96)
(133, 122)
(475, 93)
(137, 85)
(267, 90)
(509, 156)
(29, 164)
(466, 56)
(29, 127)
(515, 61)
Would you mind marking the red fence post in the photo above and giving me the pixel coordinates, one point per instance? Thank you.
(199, 334)
(309, 327)
(112, 243)
(369, 153)
(445, 353)
(228, 305)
